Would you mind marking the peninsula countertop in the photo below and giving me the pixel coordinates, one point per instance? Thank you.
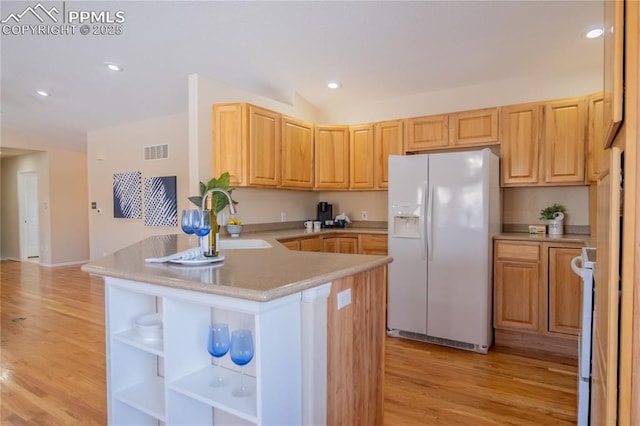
(252, 274)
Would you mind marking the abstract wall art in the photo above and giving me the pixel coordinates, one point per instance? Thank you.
(160, 201)
(127, 195)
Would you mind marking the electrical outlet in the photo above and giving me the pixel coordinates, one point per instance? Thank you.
(283, 216)
(365, 216)
(344, 298)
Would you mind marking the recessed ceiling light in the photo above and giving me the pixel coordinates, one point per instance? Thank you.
(595, 32)
(333, 85)
(42, 93)
(113, 67)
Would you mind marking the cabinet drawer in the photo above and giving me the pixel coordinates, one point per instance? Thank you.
(373, 244)
(517, 251)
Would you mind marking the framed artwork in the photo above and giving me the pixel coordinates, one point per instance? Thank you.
(160, 201)
(127, 195)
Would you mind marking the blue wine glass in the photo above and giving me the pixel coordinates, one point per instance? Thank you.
(241, 354)
(187, 223)
(202, 225)
(218, 346)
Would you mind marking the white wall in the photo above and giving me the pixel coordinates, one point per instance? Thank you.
(521, 206)
(62, 198)
(494, 93)
(121, 149)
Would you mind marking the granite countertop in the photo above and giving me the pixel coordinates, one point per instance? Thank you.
(251, 274)
(565, 238)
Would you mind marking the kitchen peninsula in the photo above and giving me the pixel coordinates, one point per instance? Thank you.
(317, 320)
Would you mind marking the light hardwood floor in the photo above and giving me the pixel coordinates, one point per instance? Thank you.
(53, 365)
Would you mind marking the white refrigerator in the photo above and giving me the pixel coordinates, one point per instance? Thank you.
(443, 210)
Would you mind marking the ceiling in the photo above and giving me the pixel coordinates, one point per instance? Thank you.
(377, 50)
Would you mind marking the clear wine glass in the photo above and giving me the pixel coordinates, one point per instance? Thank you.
(187, 222)
(218, 346)
(241, 354)
(202, 225)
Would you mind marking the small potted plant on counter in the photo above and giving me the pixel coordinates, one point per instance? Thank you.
(554, 215)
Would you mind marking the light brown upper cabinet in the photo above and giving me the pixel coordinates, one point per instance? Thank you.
(544, 143)
(455, 130)
(361, 157)
(297, 154)
(564, 141)
(332, 157)
(470, 128)
(427, 133)
(246, 143)
(595, 134)
(613, 69)
(388, 140)
(520, 138)
(264, 147)
(230, 142)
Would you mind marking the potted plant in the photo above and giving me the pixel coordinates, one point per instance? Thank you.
(554, 215)
(218, 201)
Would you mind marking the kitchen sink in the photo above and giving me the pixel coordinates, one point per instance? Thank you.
(234, 244)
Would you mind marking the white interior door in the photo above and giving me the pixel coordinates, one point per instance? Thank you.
(28, 209)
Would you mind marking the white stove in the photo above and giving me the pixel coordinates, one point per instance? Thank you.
(587, 261)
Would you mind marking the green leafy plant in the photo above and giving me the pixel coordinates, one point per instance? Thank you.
(548, 213)
(218, 200)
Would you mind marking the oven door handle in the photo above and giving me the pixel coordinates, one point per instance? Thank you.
(574, 265)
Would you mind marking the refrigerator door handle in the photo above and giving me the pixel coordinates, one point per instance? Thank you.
(423, 239)
(430, 223)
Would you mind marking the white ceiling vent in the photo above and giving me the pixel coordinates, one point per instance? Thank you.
(156, 152)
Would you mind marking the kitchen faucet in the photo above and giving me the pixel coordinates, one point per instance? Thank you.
(232, 208)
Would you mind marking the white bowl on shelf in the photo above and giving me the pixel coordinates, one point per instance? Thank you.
(149, 326)
(234, 230)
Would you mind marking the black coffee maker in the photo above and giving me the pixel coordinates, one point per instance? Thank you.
(325, 214)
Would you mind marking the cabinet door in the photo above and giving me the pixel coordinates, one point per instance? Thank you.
(330, 244)
(425, 133)
(341, 245)
(565, 292)
(264, 147)
(595, 135)
(291, 245)
(564, 141)
(332, 157)
(520, 144)
(230, 148)
(516, 295)
(297, 153)
(613, 69)
(388, 140)
(348, 245)
(469, 128)
(373, 244)
(361, 157)
(311, 244)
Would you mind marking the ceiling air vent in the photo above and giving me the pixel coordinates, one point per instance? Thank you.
(156, 152)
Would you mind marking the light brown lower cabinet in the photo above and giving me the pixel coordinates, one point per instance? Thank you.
(537, 297)
(353, 243)
(341, 245)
